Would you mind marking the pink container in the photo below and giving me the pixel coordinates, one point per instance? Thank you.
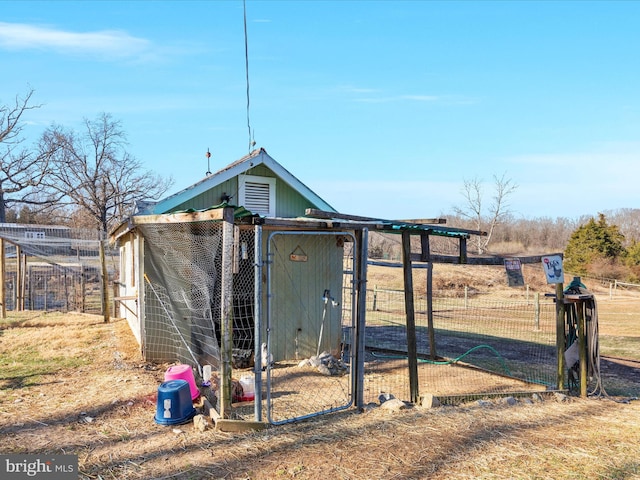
(183, 372)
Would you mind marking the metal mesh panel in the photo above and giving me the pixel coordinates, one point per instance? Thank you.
(482, 346)
(183, 294)
(310, 323)
(54, 268)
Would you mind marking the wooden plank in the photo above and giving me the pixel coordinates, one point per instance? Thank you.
(312, 212)
(183, 217)
(315, 213)
(208, 409)
(430, 221)
(226, 425)
(427, 225)
(493, 260)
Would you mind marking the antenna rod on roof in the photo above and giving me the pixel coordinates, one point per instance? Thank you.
(246, 65)
(208, 165)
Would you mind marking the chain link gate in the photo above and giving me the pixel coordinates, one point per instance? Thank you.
(310, 324)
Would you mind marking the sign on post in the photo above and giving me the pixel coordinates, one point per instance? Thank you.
(553, 268)
(514, 272)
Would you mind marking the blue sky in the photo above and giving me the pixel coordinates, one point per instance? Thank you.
(383, 108)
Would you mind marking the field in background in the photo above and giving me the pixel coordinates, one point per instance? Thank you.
(72, 384)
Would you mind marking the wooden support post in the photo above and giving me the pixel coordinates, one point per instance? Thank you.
(412, 349)
(83, 290)
(432, 334)
(425, 253)
(226, 314)
(116, 302)
(29, 286)
(463, 250)
(582, 346)
(375, 298)
(19, 279)
(3, 270)
(560, 334)
(104, 284)
(258, 322)
(358, 340)
(46, 293)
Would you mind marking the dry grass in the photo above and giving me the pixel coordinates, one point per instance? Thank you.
(72, 384)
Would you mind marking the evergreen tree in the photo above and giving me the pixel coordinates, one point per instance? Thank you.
(593, 241)
(633, 254)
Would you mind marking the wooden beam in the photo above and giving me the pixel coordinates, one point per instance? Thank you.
(560, 335)
(183, 217)
(463, 250)
(226, 315)
(19, 291)
(104, 284)
(425, 251)
(3, 269)
(395, 225)
(493, 260)
(412, 347)
(357, 347)
(430, 221)
(324, 215)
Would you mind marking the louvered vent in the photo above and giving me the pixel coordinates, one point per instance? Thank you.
(256, 197)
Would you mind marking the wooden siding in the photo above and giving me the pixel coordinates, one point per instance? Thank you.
(211, 197)
(289, 203)
(297, 289)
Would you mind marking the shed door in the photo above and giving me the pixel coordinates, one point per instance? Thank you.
(310, 323)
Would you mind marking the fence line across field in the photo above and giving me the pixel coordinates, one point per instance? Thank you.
(53, 268)
(482, 346)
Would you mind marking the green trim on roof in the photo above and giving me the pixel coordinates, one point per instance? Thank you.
(238, 212)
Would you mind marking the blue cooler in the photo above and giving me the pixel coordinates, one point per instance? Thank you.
(174, 403)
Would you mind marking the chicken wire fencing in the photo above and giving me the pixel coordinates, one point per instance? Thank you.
(54, 268)
(183, 279)
(301, 332)
(310, 324)
(481, 346)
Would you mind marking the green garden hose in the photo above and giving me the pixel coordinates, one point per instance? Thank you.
(457, 359)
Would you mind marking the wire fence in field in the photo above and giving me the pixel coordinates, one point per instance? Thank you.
(54, 268)
(478, 347)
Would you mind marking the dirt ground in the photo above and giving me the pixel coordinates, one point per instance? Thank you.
(89, 393)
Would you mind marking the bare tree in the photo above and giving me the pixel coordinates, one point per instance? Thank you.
(21, 170)
(474, 209)
(94, 173)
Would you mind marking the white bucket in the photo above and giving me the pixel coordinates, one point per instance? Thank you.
(248, 388)
(206, 374)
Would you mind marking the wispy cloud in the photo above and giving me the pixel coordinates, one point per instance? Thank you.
(608, 162)
(399, 98)
(371, 95)
(104, 44)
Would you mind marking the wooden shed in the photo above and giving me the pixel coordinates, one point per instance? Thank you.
(170, 287)
(250, 258)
